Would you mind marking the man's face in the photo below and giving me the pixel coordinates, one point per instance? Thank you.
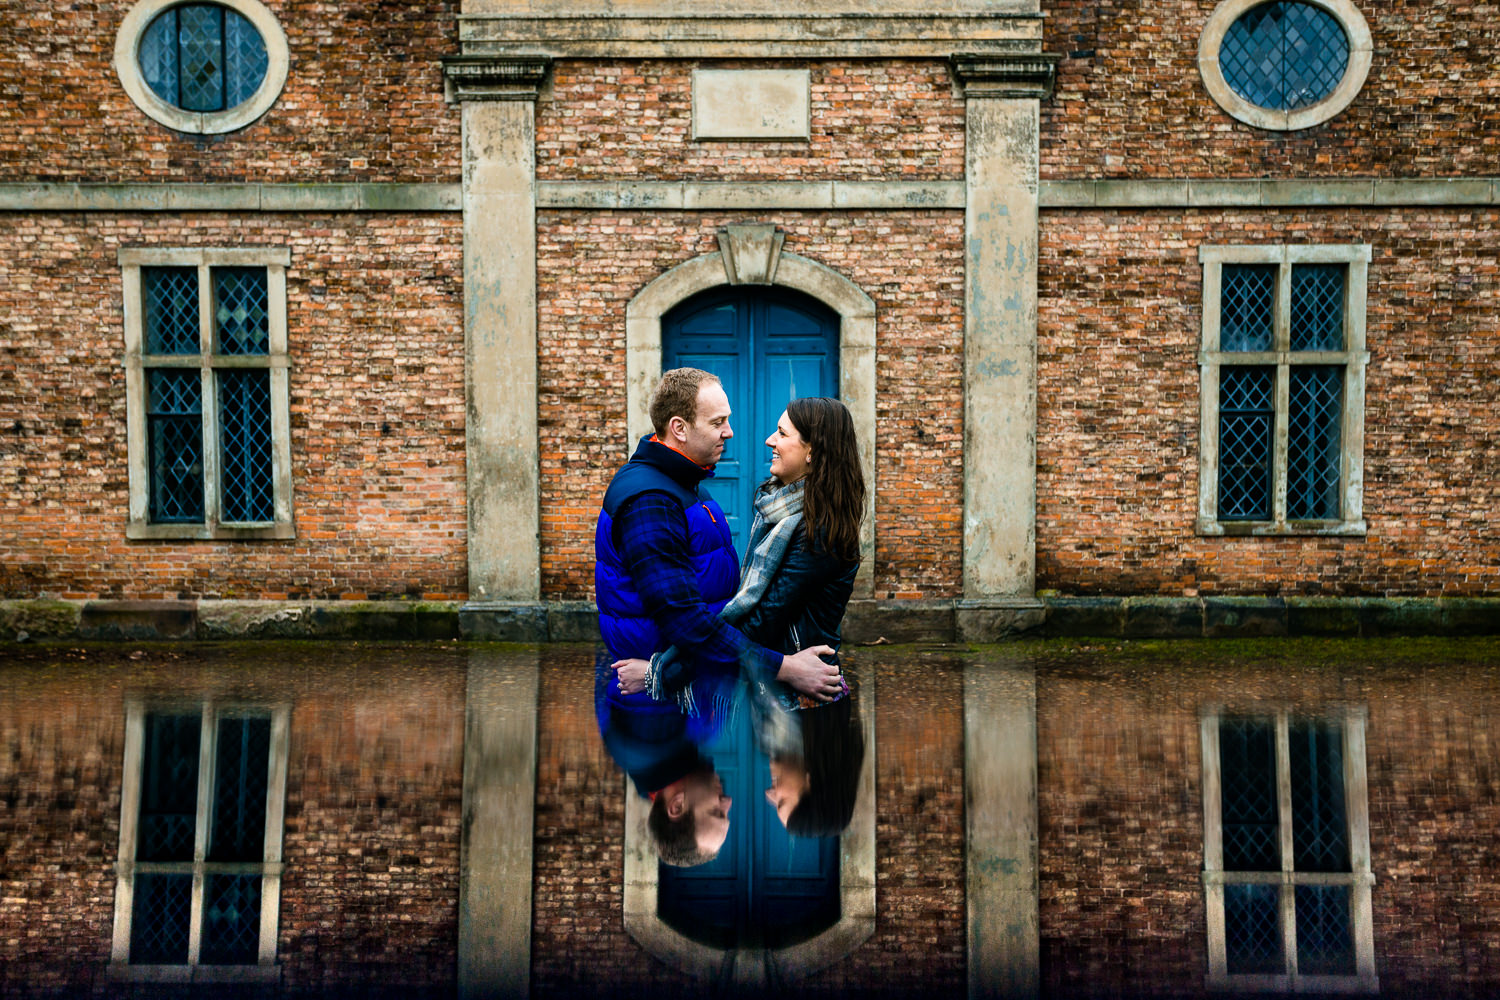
(703, 439)
(710, 806)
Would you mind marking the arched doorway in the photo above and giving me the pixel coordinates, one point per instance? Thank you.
(767, 345)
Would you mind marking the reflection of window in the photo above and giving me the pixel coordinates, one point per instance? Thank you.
(1287, 853)
(202, 67)
(206, 386)
(1284, 64)
(202, 57)
(200, 842)
(1282, 390)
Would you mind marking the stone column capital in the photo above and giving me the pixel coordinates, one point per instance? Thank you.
(1006, 75)
(494, 78)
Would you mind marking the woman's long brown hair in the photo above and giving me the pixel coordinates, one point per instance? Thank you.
(833, 501)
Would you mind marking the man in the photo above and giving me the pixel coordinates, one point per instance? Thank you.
(665, 567)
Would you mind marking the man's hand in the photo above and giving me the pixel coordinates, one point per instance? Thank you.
(810, 674)
(632, 675)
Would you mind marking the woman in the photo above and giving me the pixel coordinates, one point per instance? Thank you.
(803, 551)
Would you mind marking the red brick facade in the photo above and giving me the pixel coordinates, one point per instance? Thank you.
(910, 263)
(377, 411)
(1117, 460)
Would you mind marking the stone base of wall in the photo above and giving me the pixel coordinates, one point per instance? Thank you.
(867, 622)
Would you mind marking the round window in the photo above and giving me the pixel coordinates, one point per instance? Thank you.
(202, 67)
(202, 57)
(1284, 64)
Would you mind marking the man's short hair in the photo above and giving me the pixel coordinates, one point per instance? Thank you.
(676, 840)
(676, 395)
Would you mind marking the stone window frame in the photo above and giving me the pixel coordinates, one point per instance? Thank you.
(1361, 50)
(270, 869)
(128, 68)
(275, 260)
(1354, 358)
(1360, 878)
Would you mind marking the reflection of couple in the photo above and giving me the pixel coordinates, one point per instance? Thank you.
(683, 623)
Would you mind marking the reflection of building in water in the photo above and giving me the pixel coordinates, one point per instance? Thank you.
(1277, 817)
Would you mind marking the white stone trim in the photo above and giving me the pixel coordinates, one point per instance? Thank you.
(269, 869)
(1354, 358)
(127, 67)
(1360, 53)
(856, 357)
(136, 362)
(1360, 878)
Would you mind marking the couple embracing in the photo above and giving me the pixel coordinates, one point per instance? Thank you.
(684, 626)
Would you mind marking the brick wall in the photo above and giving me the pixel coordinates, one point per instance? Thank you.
(1121, 813)
(871, 120)
(374, 307)
(369, 898)
(363, 100)
(1117, 446)
(591, 264)
(1130, 102)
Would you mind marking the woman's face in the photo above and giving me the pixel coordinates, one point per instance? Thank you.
(790, 455)
(789, 782)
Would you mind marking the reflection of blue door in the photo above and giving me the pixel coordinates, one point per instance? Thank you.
(767, 345)
(766, 888)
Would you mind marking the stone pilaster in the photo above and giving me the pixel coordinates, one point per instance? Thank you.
(1003, 95)
(500, 361)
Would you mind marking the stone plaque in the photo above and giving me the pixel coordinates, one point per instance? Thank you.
(751, 103)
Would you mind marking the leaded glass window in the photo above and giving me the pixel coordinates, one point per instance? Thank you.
(202, 57)
(200, 838)
(1284, 55)
(208, 363)
(1283, 390)
(1287, 868)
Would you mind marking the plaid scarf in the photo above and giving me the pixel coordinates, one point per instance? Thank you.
(778, 511)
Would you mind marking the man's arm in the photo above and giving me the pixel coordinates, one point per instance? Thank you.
(651, 535)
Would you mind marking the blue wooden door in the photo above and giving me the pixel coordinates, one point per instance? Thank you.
(768, 346)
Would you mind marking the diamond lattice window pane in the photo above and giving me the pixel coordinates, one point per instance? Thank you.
(158, 56)
(171, 315)
(1314, 451)
(174, 424)
(245, 59)
(240, 776)
(1246, 422)
(169, 788)
(1318, 307)
(246, 460)
(231, 920)
(159, 919)
(241, 310)
(1252, 930)
(1320, 830)
(200, 52)
(1325, 942)
(1284, 55)
(1247, 761)
(1247, 307)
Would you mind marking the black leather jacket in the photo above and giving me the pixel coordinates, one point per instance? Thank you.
(804, 604)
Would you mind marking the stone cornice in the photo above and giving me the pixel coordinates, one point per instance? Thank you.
(1022, 75)
(496, 77)
(802, 36)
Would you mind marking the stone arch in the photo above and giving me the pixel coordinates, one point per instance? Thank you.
(731, 266)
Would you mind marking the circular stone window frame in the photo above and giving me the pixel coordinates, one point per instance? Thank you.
(1360, 53)
(128, 67)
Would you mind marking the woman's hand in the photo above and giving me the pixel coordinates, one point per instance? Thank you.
(808, 673)
(632, 675)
